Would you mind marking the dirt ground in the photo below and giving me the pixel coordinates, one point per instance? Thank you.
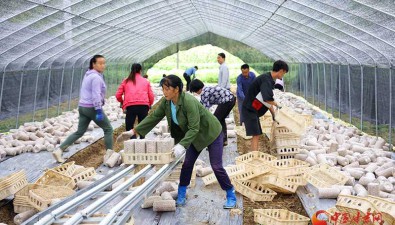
(290, 202)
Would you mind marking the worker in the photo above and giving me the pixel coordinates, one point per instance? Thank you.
(243, 81)
(259, 99)
(92, 93)
(193, 128)
(190, 72)
(215, 95)
(223, 75)
(137, 94)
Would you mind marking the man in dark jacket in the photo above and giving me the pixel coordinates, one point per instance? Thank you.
(259, 99)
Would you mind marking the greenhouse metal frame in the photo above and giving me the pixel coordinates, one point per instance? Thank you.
(341, 52)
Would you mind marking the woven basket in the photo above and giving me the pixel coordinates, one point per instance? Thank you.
(41, 198)
(85, 174)
(385, 207)
(53, 178)
(324, 176)
(279, 217)
(288, 167)
(254, 191)
(12, 183)
(277, 183)
(67, 169)
(147, 158)
(353, 205)
(232, 172)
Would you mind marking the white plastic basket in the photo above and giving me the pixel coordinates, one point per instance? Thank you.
(279, 217)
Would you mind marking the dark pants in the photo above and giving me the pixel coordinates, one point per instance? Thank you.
(188, 79)
(139, 111)
(215, 150)
(222, 112)
(239, 106)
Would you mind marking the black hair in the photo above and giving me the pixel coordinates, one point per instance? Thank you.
(196, 67)
(196, 85)
(136, 68)
(94, 60)
(279, 64)
(164, 75)
(222, 55)
(172, 81)
(245, 66)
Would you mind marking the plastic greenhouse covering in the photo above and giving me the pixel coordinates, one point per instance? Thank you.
(341, 51)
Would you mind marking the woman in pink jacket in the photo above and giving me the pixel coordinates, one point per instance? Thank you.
(137, 96)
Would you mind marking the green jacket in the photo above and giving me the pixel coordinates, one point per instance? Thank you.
(198, 126)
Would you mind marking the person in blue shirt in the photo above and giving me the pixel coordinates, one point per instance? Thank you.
(188, 73)
(244, 81)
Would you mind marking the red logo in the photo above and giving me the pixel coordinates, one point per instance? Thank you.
(316, 221)
(342, 218)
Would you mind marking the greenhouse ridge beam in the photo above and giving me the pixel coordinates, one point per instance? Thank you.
(119, 16)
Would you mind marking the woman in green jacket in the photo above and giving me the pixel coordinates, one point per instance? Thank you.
(193, 128)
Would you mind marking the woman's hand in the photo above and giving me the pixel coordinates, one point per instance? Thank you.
(178, 150)
(125, 135)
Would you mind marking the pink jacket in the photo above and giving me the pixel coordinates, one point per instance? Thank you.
(139, 93)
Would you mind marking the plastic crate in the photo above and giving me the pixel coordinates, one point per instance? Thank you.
(176, 173)
(21, 199)
(287, 152)
(281, 130)
(232, 172)
(42, 197)
(53, 178)
(279, 217)
(85, 174)
(285, 141)
(288, 167)
(249, 174)
(299, 180)
(254, 191)
(67, 169)
(308, 119)
(277, 184)
(255, 161)
(22, 204)
(12, 183)
(354, 204)
(147, 158)
(324, 176)
(129, 146)
(293, 122)
(385, 207)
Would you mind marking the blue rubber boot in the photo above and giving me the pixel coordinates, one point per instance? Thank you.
(230, 199)
(181, 198)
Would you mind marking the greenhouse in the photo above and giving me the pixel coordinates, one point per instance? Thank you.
(327, 140)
